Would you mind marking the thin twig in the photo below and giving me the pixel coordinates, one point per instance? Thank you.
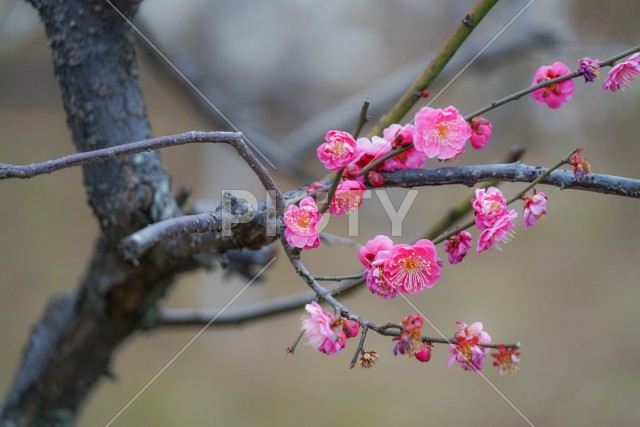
(363, 336)
(338, 278)
(362, 119)
(435, 67)
(332, 239)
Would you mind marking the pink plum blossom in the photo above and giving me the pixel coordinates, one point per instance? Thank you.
(481, 132)
(322, 330)
(339, 150)
(556, 94)
(377, 283)
(302, 224)
(347, 198)
(467, 353)
(368, 253)
(534, 208)
(488, 206)
(412, 268)
(621, 75)
(373, 256)
(457, 246)
(440, 133)
(401, 136)
(370, 150)
(500, 231)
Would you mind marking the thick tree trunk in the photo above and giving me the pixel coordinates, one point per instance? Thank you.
(71, 346)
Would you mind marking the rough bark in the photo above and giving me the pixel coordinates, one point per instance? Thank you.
(70, 348)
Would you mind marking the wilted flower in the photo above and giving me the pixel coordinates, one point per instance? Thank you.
(507, 360)
(589, 69)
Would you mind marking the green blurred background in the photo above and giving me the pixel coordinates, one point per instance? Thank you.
(567, 289)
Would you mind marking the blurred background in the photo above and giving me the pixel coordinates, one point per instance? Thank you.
(284, 72)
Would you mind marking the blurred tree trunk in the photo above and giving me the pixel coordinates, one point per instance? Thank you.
(70, 348)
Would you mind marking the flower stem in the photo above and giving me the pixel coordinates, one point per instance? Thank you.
(381, 160)
(362, 119)
(292, 349)
(363, 335)
(332, 191)
(338, 278)
(435, 67)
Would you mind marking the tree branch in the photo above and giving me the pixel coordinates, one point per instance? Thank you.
(511, 172)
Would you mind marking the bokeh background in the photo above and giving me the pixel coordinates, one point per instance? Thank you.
(567, 289)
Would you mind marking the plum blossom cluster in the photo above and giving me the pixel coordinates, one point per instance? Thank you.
(436, 133)
(391, 269)
(556, 94)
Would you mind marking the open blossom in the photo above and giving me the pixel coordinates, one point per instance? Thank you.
(488, 206)
(322, 330)
(339, 150)
(412, 268)
(457, 246)
(534, 208)
(467, 353)
(500, 231)
(621, 75)
(302, 224)
(440, 133)
(347, 198)
(507, 360)
(481, 130)
(556, 94)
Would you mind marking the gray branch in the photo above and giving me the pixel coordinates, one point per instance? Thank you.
(512, 172)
